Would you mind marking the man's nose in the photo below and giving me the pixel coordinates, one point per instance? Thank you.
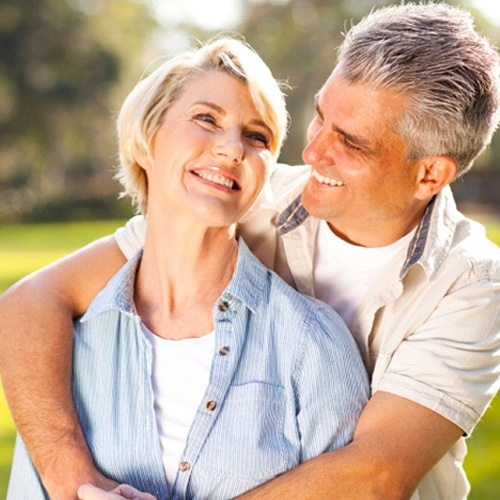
(315, 151)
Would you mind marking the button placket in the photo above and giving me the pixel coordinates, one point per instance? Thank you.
(222, 368)
(211, 406)
(223, 306)
(184, 466)
(224, 351)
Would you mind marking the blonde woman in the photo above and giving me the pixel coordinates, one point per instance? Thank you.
(198, 373)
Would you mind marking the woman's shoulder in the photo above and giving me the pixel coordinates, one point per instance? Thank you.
(309, 315)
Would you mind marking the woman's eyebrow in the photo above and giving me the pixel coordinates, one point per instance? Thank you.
(222, 112)
(212, 105)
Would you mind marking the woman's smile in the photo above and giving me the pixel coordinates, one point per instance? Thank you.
(217, 177)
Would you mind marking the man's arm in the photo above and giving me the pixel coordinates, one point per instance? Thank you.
(36, 339)
(395, 444)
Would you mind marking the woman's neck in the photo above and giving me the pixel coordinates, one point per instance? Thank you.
(182, 273)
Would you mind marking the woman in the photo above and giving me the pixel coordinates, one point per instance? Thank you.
(198, 373)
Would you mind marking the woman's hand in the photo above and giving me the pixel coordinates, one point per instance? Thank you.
(124, 491)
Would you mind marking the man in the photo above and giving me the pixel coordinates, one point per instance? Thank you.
(413, 100)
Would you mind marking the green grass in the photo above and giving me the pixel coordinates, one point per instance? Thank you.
(25, 248)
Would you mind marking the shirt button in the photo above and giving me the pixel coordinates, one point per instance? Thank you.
(211, 406)
(184, 466)
(223, 306)
(224, 350)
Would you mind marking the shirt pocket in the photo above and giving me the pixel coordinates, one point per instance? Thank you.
(248, 439)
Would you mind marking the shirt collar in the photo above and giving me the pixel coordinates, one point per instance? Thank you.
(118, 293)
(246, 286)
(429, 246)
(434, 235)
(248, 281)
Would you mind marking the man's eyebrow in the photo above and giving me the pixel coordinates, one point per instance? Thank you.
(316, 105)
(356, 140)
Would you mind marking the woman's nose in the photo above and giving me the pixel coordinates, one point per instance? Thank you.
(230, 146)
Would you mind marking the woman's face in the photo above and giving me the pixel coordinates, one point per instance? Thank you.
(211, 154)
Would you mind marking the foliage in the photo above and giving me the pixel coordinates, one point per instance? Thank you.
(67, 65)
(24, 248)
(299, 42)
(61, 71)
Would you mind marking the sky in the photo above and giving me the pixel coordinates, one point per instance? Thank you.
(218, 14)
(211, 14)
(490, 8)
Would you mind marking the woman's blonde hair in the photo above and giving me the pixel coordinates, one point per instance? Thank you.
(143, 110)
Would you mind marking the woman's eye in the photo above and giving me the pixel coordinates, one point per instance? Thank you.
(206, 118)
(259, 138)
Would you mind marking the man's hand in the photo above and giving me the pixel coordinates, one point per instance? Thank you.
(124, 491)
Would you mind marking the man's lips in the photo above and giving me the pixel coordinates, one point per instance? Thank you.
(327, 181)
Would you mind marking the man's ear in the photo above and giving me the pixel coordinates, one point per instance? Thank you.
(434, 174)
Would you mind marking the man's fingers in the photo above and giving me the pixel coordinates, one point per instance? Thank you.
(131, 493)
(91, 492)
(122, 492)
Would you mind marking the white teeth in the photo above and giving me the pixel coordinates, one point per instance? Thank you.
(218, 179)
(326, 180)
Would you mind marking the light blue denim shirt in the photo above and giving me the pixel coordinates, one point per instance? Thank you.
(286, 384)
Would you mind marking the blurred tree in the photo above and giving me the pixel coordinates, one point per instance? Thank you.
(299, 39)
(66, 66)
(61, 68)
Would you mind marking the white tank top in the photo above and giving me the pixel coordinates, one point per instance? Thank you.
(181, 371)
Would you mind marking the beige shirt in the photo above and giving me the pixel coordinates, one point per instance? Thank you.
(429, 327)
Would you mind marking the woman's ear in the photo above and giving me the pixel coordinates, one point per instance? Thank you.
(143, 159)
(435, 173)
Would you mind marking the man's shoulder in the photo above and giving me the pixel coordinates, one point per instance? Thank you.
(286, 178)
(306, 313)
(456, 243)
(471, 243)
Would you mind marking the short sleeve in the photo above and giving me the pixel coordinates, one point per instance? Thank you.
(130, 238)
(451, 364)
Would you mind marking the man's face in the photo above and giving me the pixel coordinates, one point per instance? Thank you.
(360, 182)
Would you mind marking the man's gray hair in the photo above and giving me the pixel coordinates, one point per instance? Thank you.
(450, 74)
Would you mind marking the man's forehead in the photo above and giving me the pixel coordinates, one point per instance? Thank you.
(356, 99)
(367, 116)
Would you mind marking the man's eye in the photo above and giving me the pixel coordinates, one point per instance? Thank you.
(347, 143)
(350, 145)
